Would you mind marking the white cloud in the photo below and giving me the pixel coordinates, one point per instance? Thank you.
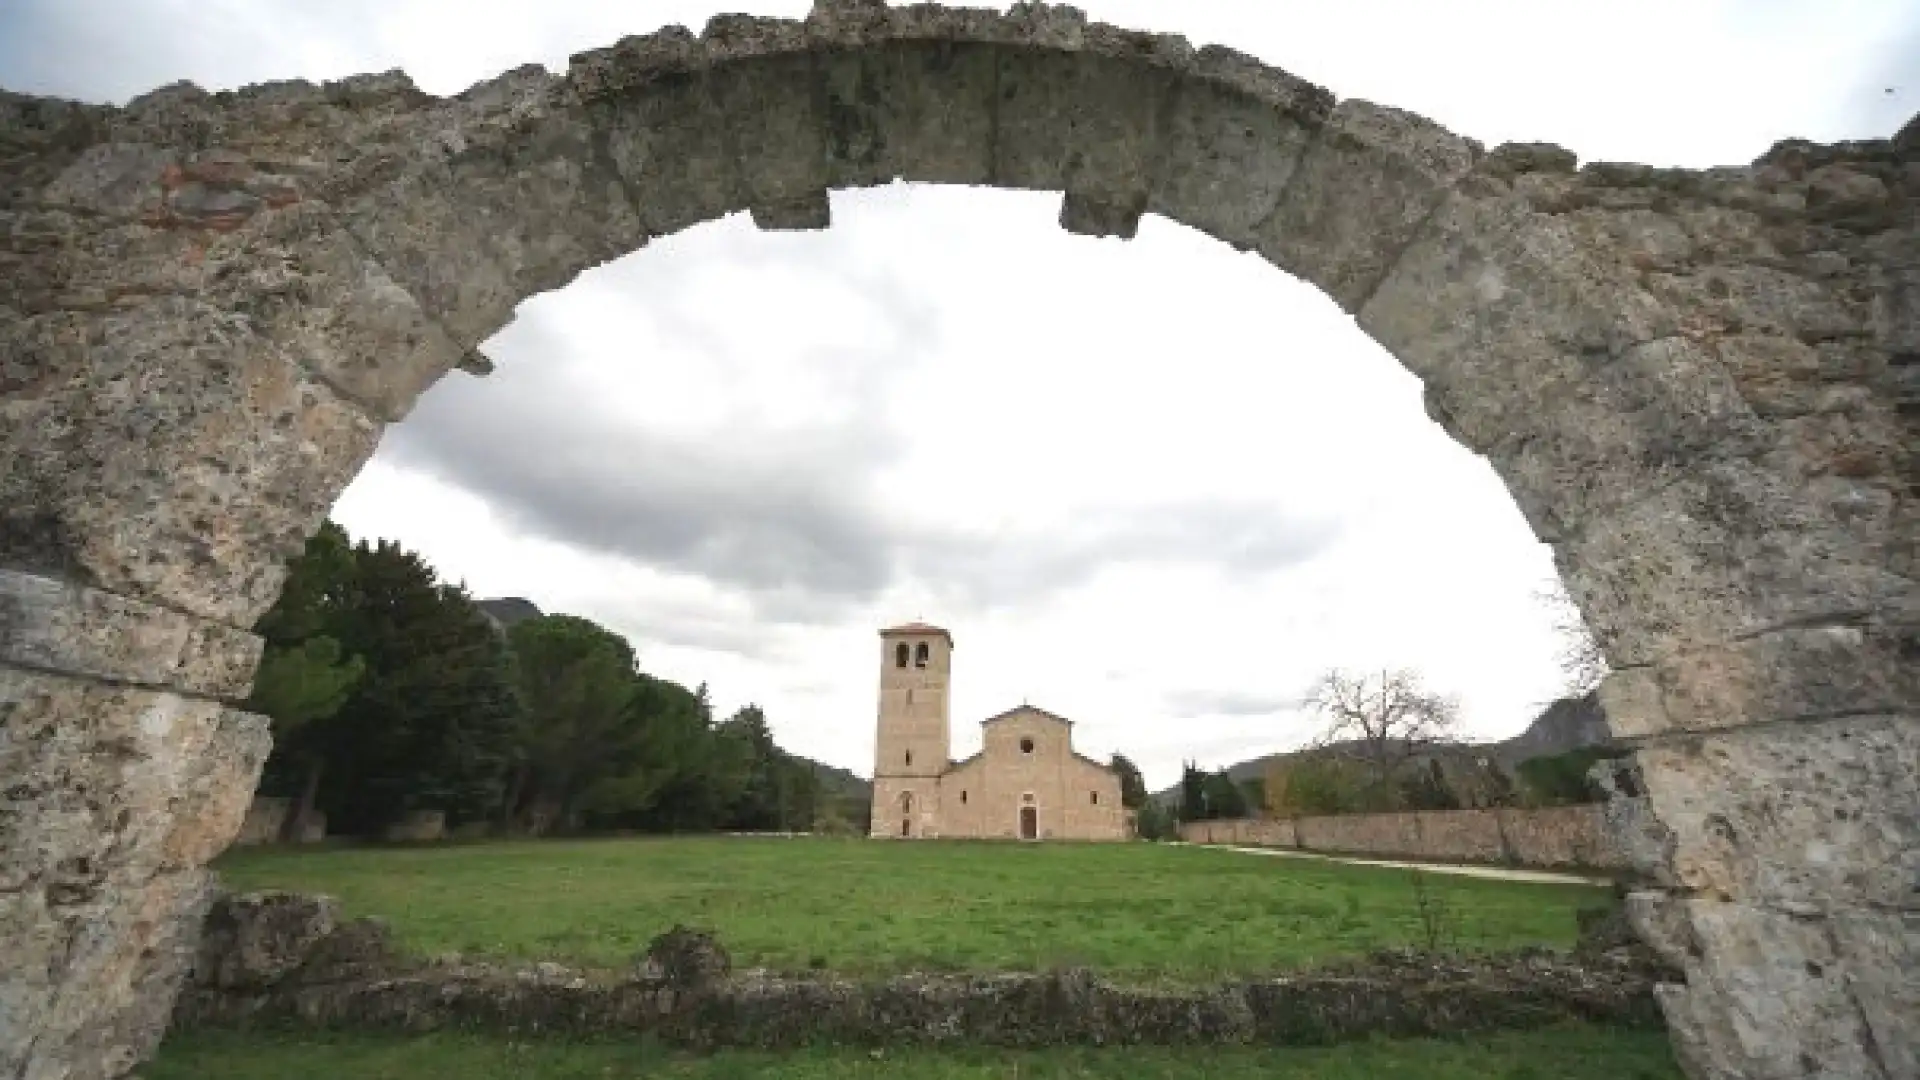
(1154, 486)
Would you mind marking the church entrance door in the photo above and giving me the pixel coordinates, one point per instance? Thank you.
(1029, 823)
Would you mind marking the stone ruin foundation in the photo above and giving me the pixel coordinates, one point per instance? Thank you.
(1701, 388)
(281, 960)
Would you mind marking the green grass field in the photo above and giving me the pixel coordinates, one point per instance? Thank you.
(1569, 1053)
(1139, 912)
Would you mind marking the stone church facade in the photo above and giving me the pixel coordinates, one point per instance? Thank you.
(1026, 783)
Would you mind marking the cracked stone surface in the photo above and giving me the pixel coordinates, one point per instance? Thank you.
(1701, 387)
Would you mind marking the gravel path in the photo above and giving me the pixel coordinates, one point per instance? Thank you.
(1496, 873)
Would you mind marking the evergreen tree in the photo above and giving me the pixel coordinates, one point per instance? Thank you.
(305, 675)
(431, 725)
(577, 735)
(1193, 793)
(1133, 787)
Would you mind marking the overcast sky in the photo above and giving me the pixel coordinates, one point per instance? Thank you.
(1154, 486)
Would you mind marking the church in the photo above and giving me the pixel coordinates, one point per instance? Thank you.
(1026, 783)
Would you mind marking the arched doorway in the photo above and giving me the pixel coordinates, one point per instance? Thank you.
(1029, 822)
(216, 302)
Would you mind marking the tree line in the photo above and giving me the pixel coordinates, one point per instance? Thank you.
(392, 693)
(1387, 744)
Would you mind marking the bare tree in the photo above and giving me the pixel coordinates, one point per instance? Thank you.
(1582, 663)
(1382, 722)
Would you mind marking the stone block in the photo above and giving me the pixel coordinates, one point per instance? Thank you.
(167, 453)
(116, 798)
(1080, 122)
(266, 821)
(914, 110)
(806, 212)
(1628, 424)
(1811, 816)
(667, 133)
(1729, 550)
(116, 179)
(71, 629)
(337, 312)
(1359, 195)
(1767, 998)
(767, 84)
(254, 940)
(114, 780)
(1745, 298)
(514, 198)
(1086, 216)
(419, 827)
(89, 986)
(1880, 954)
(1660, 921)
(1794, 674)
(1501, 312)
(1226, 154)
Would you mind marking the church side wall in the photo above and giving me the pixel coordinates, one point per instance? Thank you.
(966, 811)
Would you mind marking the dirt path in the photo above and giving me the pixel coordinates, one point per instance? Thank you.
(1495, 873)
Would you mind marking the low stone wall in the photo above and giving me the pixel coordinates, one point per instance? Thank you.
(267, 824)
(266, 819)
(282, 959)
(419, 827)
(1547, 837)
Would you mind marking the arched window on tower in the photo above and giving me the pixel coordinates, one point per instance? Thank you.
(906, 802)
(909, 757)
(920, 655)
(900, 655)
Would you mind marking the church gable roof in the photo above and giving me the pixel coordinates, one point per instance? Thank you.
(1027, 710)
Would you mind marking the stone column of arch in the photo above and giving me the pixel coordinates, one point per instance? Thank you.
(1700, 388)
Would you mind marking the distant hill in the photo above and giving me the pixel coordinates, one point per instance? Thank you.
(506, 610)
(1566, 724)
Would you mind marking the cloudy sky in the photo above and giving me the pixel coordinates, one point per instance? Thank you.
(1155, 486)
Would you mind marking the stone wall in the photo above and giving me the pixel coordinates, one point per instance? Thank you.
(266, 821)
(291, 960)
(1548, 837)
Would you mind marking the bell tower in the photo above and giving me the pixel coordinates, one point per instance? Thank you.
(912, 738)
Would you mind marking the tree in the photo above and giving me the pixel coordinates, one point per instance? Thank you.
(1428, 789)
(1384, 724)
(778, 791)
(305, 676)
(1318, 784)
(1224, 798)
(1582, 662)
(1133, 787)
(1156, 821)
(1562, 779)
(431, 725)
(574, 680)
(1193, 793)
(296, 686)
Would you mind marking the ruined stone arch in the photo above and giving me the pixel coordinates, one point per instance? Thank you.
(1696, 385)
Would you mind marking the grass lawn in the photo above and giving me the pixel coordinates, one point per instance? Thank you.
(1568, 1053)
(1132, 911)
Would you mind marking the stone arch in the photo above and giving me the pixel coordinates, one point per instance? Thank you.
(212, 303)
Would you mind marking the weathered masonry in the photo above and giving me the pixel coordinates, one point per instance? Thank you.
(1700, 387)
